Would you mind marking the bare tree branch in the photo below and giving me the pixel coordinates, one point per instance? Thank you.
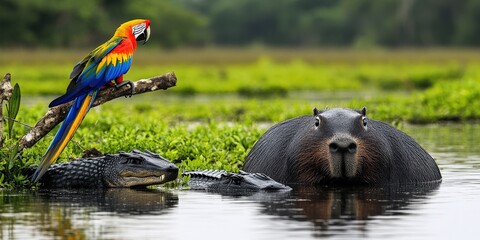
(56, 114)
(6, 90)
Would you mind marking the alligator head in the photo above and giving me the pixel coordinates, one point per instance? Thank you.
(138, 168)
(258, 181)
(227, 181)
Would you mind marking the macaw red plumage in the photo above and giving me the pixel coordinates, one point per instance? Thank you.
(106, 63)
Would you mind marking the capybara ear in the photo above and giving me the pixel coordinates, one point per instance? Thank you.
(364, 111)
(315, 111)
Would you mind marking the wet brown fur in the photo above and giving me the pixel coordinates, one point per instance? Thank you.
(318, 165)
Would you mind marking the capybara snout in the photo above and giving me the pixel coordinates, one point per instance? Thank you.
(342, 145)
(342, 157)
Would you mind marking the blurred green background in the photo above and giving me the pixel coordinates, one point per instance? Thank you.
(280, 23)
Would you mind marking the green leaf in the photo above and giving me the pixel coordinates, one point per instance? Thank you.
(15, 101)
(13, 156)
(13, 107)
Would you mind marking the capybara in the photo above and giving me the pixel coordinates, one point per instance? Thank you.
(340, 146)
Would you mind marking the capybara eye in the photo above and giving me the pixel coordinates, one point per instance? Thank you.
(317, 121)
(364, 121)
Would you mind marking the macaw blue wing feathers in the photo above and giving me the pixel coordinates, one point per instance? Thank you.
(85, 76)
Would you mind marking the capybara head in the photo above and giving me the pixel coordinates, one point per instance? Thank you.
(339, 146)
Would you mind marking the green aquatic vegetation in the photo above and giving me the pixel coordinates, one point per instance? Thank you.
(184, 143)
(11, 164)
(190, 145)
(264, 77)
(454, 101)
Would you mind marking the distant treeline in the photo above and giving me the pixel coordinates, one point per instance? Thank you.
(283, 23)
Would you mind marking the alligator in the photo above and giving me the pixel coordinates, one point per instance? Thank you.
(132, 169)
(220, 180)
(140, 169)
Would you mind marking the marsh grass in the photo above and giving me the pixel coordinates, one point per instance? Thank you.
(258, 72)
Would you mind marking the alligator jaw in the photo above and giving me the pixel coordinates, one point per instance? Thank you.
(142, 174)
(134, 181)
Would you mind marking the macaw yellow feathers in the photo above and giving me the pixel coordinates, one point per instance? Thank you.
(113, 60)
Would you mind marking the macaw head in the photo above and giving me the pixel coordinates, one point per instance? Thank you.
(138, 29)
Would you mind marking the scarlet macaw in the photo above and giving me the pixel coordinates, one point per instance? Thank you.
(106, 63)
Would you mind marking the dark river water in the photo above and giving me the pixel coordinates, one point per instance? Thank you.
(438, 211)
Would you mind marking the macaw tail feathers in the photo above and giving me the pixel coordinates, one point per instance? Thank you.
(75, 116)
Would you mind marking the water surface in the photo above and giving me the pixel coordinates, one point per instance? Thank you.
(436, 211)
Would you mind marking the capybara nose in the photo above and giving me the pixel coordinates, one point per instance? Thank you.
(343, 145)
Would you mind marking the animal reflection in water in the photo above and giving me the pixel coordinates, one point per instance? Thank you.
(60, 209)
(118, 200)
(323, 205)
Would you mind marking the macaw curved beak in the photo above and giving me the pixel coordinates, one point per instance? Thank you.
(146, 33)
(144, 36)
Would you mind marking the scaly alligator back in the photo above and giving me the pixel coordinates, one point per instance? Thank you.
(219, 180)
(132, 169)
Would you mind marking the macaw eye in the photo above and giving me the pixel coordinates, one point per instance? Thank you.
(317, 121)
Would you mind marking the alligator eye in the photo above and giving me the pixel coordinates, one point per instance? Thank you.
(133, 161)
(234, 179)
(237, 181)
(317, 121)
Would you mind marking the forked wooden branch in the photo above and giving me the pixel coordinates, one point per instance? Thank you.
(56, 114)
